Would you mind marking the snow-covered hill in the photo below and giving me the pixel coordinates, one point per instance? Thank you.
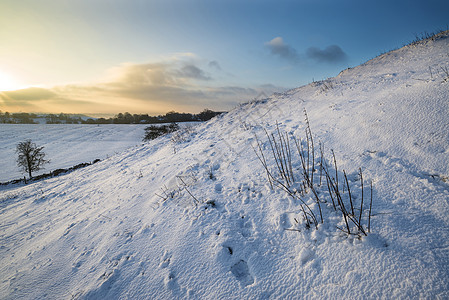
(194, 216)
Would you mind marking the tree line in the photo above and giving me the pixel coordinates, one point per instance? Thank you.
(121, 118)
(170, 117)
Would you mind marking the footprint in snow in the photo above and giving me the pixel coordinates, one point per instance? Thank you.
(218, 188)
(226, 251)
(241, 272)
(246, 226)
(306, 255)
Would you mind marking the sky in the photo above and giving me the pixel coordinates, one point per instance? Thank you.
(102, 57)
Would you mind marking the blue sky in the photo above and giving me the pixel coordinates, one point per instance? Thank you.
(110, 56)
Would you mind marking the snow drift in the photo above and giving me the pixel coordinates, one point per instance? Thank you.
(192, 215)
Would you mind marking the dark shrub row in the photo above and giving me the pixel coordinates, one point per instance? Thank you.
(154, 131)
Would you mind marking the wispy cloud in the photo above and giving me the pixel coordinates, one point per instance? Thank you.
(278, 47)
(330, 54)
(214, 64)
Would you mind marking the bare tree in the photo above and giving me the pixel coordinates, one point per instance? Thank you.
(30, 157)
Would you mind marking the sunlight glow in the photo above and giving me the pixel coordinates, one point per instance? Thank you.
(8, 83)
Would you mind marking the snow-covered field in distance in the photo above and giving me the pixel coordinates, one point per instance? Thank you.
(66, 145)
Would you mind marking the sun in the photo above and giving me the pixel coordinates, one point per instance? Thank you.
(7, 82)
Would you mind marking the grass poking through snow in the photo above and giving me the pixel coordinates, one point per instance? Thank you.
(295, 171)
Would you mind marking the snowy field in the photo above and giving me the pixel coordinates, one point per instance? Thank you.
(194, 216)
(65, 144)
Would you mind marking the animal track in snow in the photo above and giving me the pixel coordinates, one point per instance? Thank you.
(114, 265)
(289, 220)
(108, 278)
(165, 260)
(67, 231)
(401, 165)
(81, 259)
(249, 192)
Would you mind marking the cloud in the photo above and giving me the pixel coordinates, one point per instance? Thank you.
(172, 73)
(331, 54)
(128, 74)
(214, 64)
(279, 48)
(171, 81)
(178, 83)
(28, 94)
(191, 71)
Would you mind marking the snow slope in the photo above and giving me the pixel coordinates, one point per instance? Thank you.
(194, 216)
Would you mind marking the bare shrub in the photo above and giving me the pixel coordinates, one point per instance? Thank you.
(279, 162)
(154, 131)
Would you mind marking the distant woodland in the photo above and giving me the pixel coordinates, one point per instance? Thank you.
(121, 118)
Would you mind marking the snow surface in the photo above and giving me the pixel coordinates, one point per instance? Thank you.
(130, 226)
(66, 145)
